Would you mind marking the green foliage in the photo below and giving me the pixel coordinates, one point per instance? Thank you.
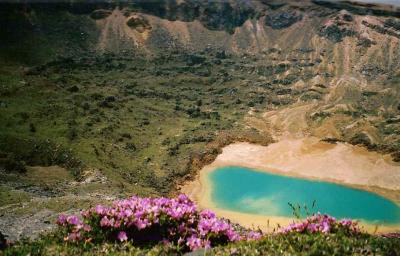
(33, 36)
(300, 211)
(11, 163)
(118, 95)
(10, 83)
(32, 128)
(281, 244)
(52, 244)
(315, 244)
(37, 152)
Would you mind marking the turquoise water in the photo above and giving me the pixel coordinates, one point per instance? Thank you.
(248, 191)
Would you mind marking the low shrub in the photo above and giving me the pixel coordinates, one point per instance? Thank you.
(162, 226)
(322, 223)
(144, 221)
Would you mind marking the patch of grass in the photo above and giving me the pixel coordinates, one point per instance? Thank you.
(10, 196)
(52, 244)
(289, 244)
(47, 176)
(314, 244)
(39, 152)
(10, 83)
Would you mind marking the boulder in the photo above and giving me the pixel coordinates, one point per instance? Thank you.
(139, 23)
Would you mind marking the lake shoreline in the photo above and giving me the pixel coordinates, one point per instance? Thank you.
(249, 156)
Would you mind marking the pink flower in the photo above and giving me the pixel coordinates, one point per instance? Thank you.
(179, 217)
(74, 236)
(141, 224)
(346, 222)
(233, 236)
(99, 209)
(180, 240)
(207, 244)
(105, 222)
(117, 224)
(312, 228)
(87, 228)
(73, 220)
(325, 227)
(194, 242)
(321, 223)
(183, 198)
(252, 235)
(128, 213)
(62, 219)
(207, 214)
(122, 236)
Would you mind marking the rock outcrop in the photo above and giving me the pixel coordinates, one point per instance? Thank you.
(139, 23)
(282, 20)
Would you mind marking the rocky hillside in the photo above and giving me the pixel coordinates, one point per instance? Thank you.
(101, 100)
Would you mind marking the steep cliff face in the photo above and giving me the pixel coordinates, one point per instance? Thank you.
(339, 38)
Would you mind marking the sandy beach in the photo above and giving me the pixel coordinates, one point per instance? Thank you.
(307, 158)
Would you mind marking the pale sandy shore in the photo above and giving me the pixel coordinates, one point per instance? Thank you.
(307, 158)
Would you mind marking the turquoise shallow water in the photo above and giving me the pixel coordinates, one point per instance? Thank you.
(248, 191)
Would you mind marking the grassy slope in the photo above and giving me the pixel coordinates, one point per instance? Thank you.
(140, 130)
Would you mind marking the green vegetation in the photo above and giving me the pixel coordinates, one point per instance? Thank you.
(314, 244)
(288, 244)
(175, 226)
(132, 125)
(87, 117)
(128, 124)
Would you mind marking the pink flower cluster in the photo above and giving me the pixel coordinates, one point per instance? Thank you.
(174, 221)
(322, 223)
